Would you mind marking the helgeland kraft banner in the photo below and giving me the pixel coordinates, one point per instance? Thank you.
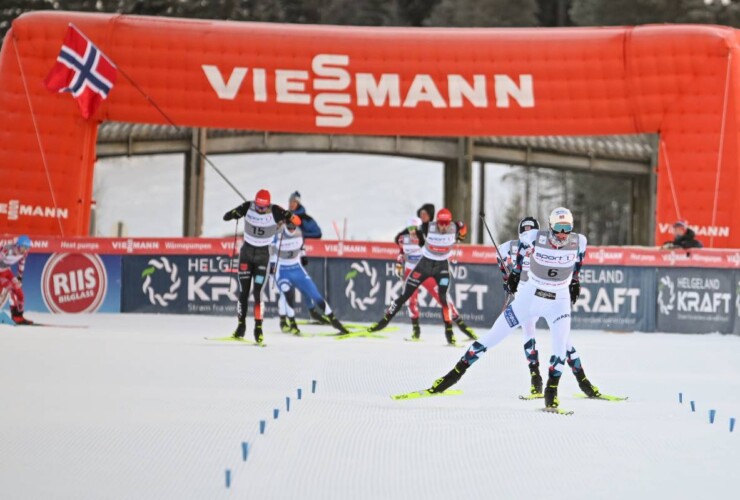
(360, 290)
(616, 298)
(695, 300)
(178, 284)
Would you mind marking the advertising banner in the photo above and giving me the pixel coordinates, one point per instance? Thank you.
(616, 298)
(467, 254)
(736, 319)
(360, 290)
(178, 284)
(72, 283)
(695, 300)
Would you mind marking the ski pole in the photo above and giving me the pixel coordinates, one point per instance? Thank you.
(277, 255)
(500, 259)
(501, 266)
(236, 230)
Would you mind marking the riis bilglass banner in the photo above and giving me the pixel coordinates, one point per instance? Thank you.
(70, 283)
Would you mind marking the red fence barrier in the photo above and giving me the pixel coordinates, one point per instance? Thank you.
(472, 254)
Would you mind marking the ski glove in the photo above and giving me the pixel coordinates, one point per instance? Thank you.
(575, 290)
(304, 261)
(231, 214)
(462, 231)
(399, 270)
(512, 282)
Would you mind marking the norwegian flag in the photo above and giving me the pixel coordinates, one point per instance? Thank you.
(83, 71)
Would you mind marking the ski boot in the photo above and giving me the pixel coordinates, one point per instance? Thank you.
(551, 393)
(337, 324)
(444, 383)
(240, 329)
(465, 328)
(588, 389)
(376, 327)
(318, 317)
(258, 337)
(284, 325)
(416, 329)
(536, 384)
(17, 316)
(293, 327)
(449, 335)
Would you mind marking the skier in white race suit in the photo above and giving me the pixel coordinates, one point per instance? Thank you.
(556, 256)
(509, 251)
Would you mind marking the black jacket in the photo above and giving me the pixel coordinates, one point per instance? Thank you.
(688, 240)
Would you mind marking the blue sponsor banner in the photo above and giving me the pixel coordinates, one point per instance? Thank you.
(616, 298)
(72, 283)
(361, 289)
(180, 284)
(691, 300)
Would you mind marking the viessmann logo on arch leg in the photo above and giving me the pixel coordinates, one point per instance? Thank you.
(330, 88)
(74, 283)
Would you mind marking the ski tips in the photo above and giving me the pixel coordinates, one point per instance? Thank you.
(425, 393)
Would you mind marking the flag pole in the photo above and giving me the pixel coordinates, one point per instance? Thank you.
(38, 135)
(164, 115)
(179, 129)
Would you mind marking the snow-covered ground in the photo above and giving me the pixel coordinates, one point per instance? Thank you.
(142, 407)
(376, 194)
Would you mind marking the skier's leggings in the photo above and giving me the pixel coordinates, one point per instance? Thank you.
(439, 271)
(253, 262)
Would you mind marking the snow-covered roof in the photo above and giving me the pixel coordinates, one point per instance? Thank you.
(635, 148)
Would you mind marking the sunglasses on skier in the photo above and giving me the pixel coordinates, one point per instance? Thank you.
(562, 227)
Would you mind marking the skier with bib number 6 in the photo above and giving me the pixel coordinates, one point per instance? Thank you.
(556, 256)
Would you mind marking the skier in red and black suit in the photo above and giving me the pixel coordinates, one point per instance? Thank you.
(410, 242)
(261, 220)
(439, 238)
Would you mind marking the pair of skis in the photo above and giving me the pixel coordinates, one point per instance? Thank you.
(604, 397)
(425, 393)
(236, 340)
(336, 335)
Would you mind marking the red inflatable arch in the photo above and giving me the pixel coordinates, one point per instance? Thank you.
(679, 81)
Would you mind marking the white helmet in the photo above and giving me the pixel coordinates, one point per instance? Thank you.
(559, 219)
(413, 222)
(561, 224)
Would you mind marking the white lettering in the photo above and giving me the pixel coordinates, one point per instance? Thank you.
(523, 93)
(458, 87)
(90, 280)
(423, 89)
(387, 88)
(259, 85)
(290, 86)
(61, 286)
(195, 287)
(332, 110)
(225, 90)
(332, 76)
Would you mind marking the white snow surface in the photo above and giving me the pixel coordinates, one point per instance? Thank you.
(141, 406)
